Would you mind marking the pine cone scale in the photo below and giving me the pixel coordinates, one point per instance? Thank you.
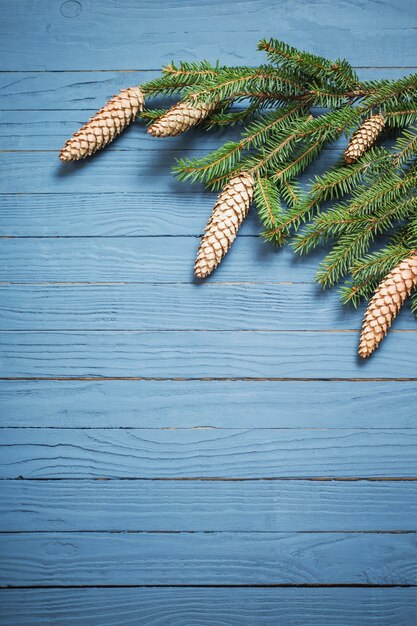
(104, 126)
(229, 211)
(386, 303)
(364, 137)
(180, 118)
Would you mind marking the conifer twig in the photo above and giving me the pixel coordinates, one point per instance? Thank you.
(289, 110)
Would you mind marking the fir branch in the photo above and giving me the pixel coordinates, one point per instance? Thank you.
(227, 117)
(373, 196)
(277, 150)
(400, 115)
(267, 202)
(340, 180)
(370, 270)
(218, 165)
(343, 218)
(151, 115)
(309, 65)
(355, 237)
(275, 147)
(323, 129)
(387, 187)
(392, 93)
(303, 158)
(191, 69)
(175, 79)
(405, 147)
(291, 192)
(235, 84)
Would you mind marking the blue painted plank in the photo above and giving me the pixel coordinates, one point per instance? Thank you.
(177, 307)
(246, 607)
(196, 354)
(206, 558)
(215, 404)
(116, 35)
(110, 214)
(110, 171)
(214, 306)
(186, 505)
(48, 130)
(27, 172)
(64, 35)
(78, 91)
(87, 91)
(148, 259)
(208, 453)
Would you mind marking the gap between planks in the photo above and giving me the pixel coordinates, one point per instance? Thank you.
(135, 282)
(206, 532)
(192, 330)
(222, 586)
(113, 148)
(217, 428)
(139, 331)
(159, 69)
(206, 379)
(377, 479)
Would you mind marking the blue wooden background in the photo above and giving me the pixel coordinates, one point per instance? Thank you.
(175, 453)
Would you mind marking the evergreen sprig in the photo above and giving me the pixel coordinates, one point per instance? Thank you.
(290, 109)
(268, 204)
(310, 66)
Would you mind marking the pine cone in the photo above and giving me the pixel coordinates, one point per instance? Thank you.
(180, 118)
(105, 125)
(385, 304)
(364, 137)
(230, 210)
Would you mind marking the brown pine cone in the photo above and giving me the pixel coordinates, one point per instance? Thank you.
(364, 137)
(105, 125)
(230, 210)
(180, 118)
(385, 304)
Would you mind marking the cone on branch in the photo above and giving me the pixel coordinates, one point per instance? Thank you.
(180, 118)
(364, 137)
(229, 211)
(385, 304)
(105, 125)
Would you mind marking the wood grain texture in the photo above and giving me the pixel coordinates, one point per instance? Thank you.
(200, 354)
(207, 453)
(181, 307)
(130, 171)
(246, 607)
(52, 92)
(110, 171)
(206, 558)
(151, 259)
(259, 505)
(122, 218)
(216, 404)
(214, 306)
(48, 130)
(69, 91)
(110, 214)
(132, 37)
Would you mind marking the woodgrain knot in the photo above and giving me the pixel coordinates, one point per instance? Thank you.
(71, 8)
